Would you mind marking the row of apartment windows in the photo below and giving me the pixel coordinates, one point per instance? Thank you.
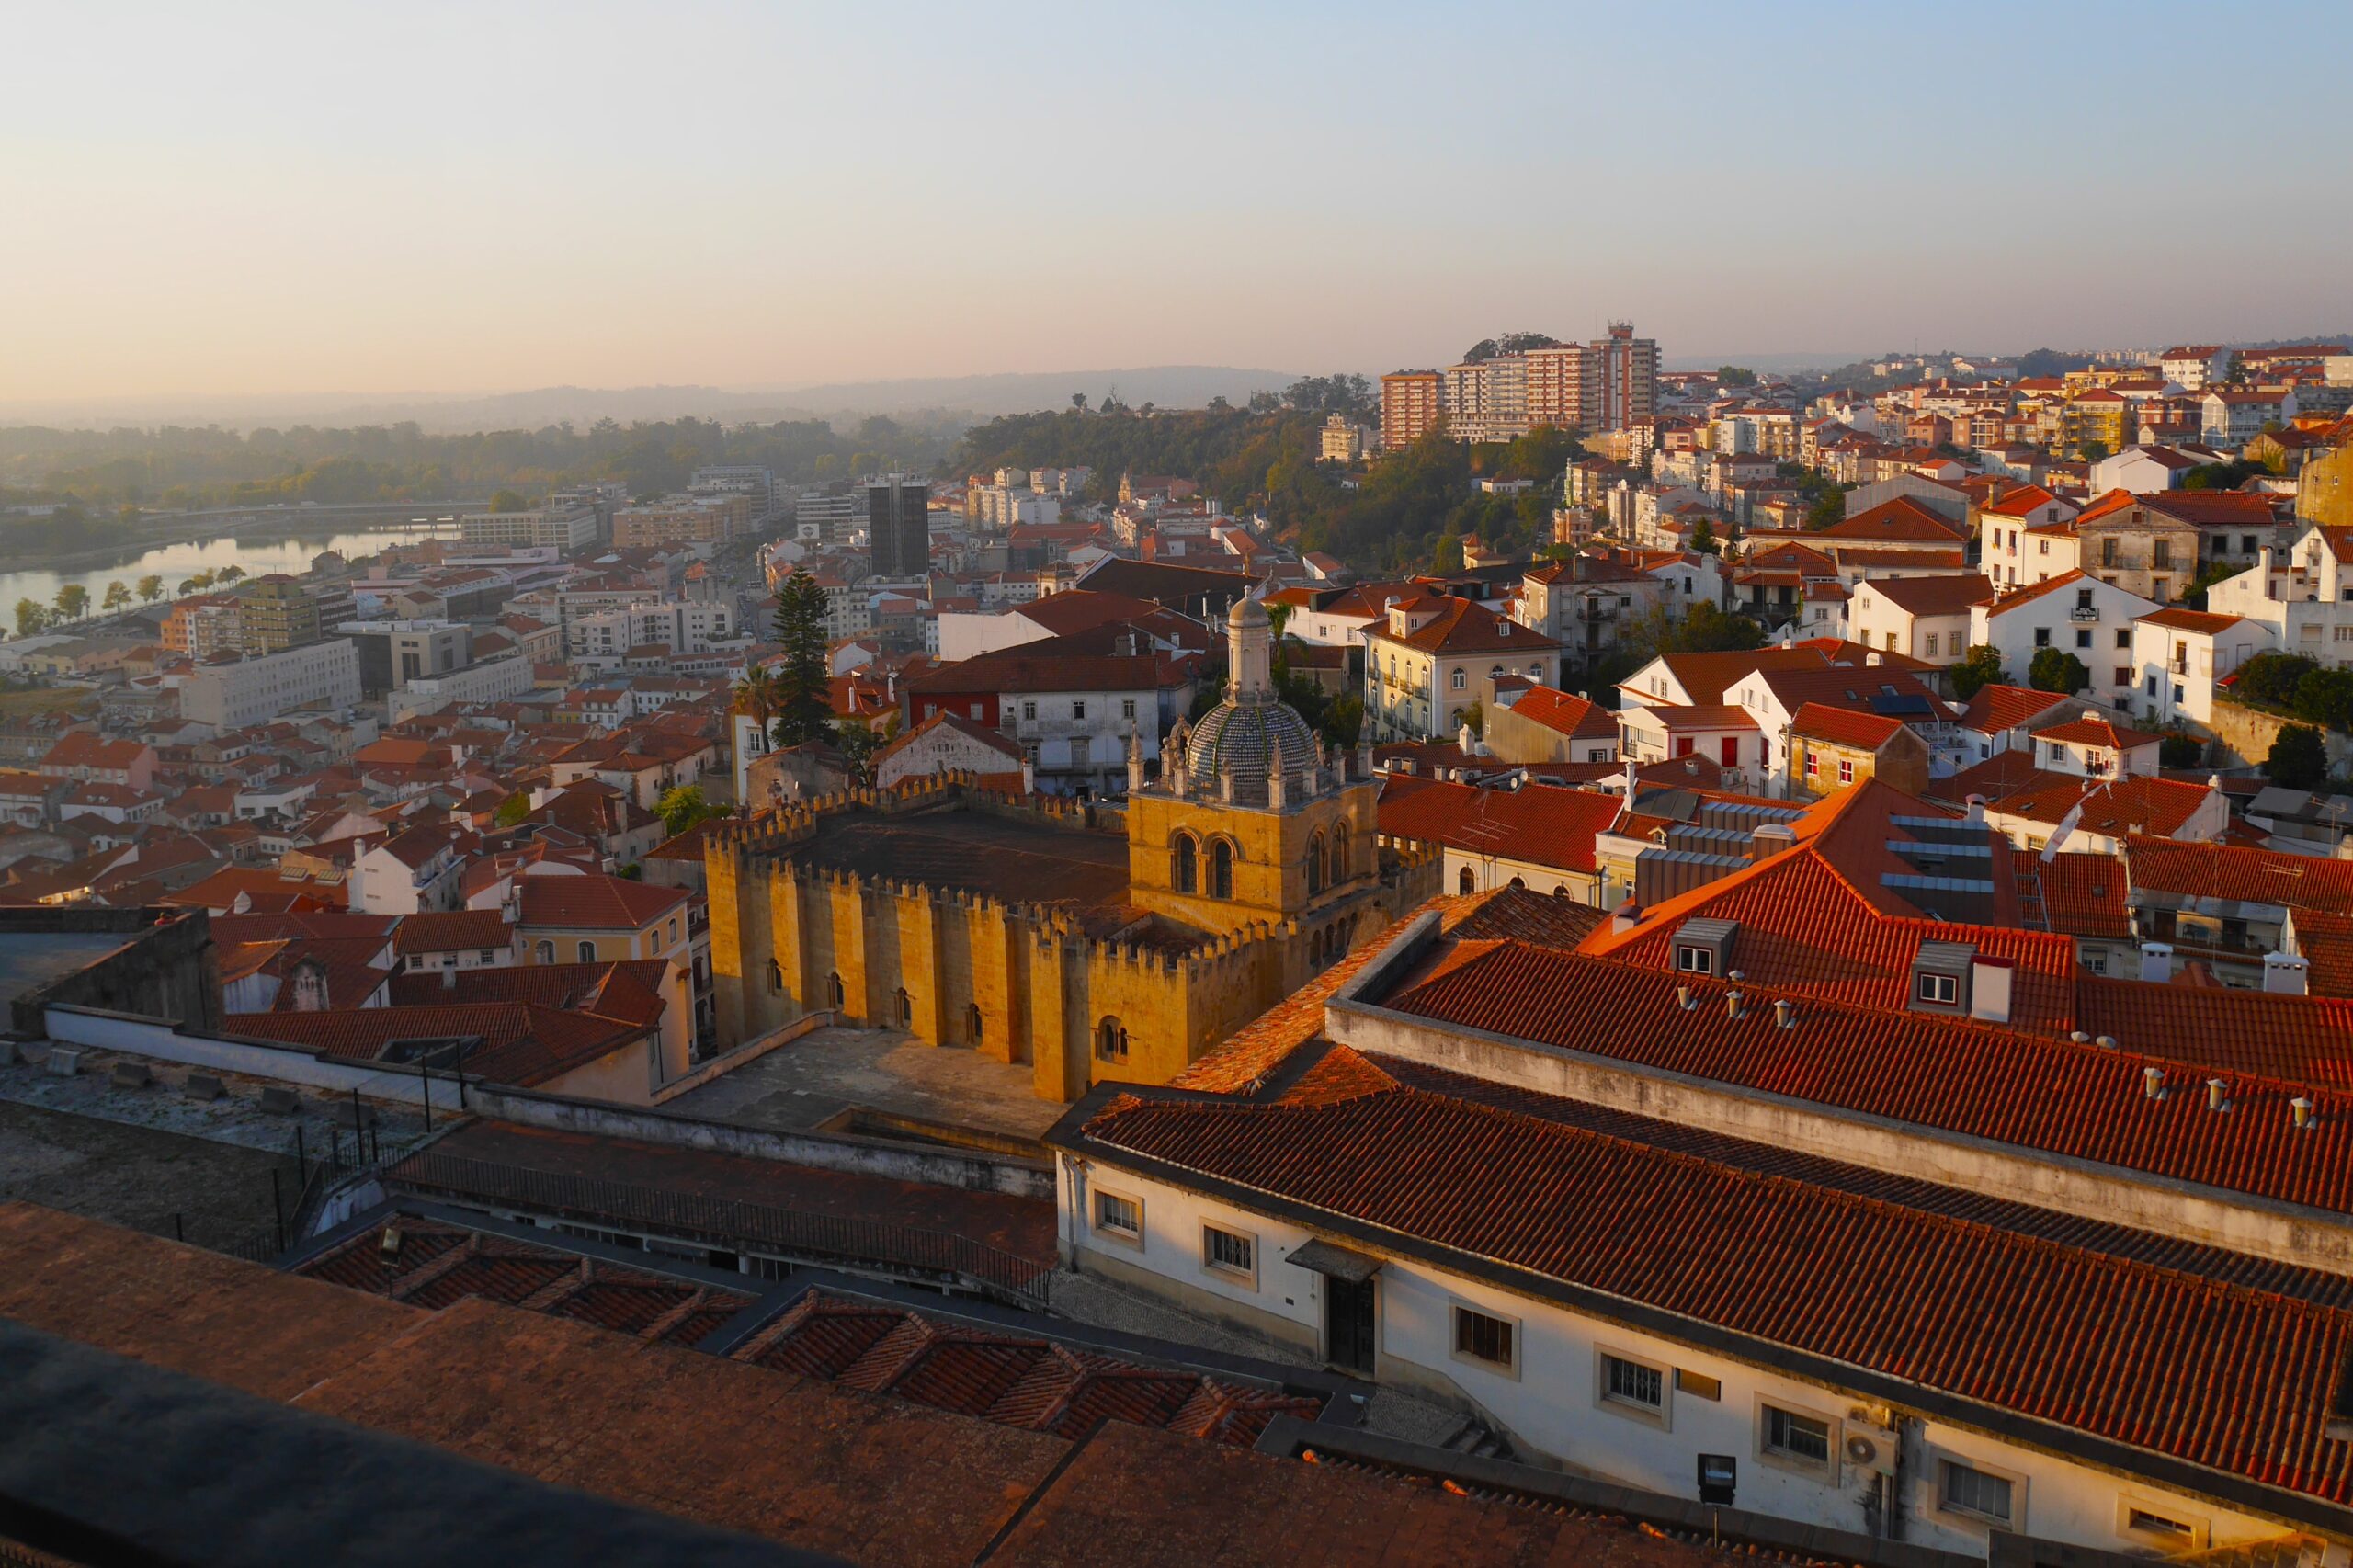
(1078, 707)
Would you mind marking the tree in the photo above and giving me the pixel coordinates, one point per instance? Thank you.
(804, 687)
(2177, 750)
(2324, 697)
(2055, 669)
(1979, 668)
(1829, 509)
(1343, 721)
(2298, 759)
(508, 501)
(1735, 376)
(31, 616)
(1078, 402)
(118, 595)
(1704, 628)
(2094, 451)
(754, 697)
(150, 587)
(513, 810)
(188, 586)
(229, 574)
(859, 743)
(681, 808)
(1703, 538)
(73, 602)
(2273, 678)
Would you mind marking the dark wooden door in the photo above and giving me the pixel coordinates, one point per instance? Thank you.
(1347, 1325)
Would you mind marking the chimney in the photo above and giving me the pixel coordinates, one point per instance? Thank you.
(1732, 1004)
(1028, 777)
(1627, 916)
(1977, 809)
(1683, 998)
(1990, 982)
(2218, 1095)
(2153, 1083)
(1785, 1014)
(2157, 962)
(2285, 974)
(2302, 1110)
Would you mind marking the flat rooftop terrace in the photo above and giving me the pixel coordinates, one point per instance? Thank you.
(33, 958)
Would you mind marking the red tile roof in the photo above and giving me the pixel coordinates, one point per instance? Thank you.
(1899, 519)
(522, 1043)
(2113, 807)
(2092, 730)
(1843, 727)
(1539, 823)
(1464, 627)
(2244, 1382)
(1570, 715)
(593, 901)
(2248, 875)
(1934, 595)
(2084, 895)
(1998, 708)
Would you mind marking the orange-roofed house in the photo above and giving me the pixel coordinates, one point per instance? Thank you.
(2090, 745)
(87, 759)
(2074, 613)
(1434, 657)
(1838, 746)
(1926, 618)
(594, 918)
(2183, 653)
(1539, 837)
(1546, 725)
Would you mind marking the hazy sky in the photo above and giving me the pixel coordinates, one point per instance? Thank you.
(416, 198)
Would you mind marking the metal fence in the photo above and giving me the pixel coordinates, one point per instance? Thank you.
(727, 1224)
(299, 1177)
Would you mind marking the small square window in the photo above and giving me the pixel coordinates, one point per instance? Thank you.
(1964, 1489)
(1943, 990)
(1120, 1216)
(1481, 1337)
(1800, 1440)
(2083, 639)
(1695, 960)
(1846, 771)
(2124, 637)
(1631, 1382)
(1229, 1252)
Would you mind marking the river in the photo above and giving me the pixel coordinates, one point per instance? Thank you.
(290, 553)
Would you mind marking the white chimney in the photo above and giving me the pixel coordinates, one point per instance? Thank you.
(1977, 807)
(2218, 1095)
(2153, 1082)
(2302, 1110)
(2285, 974)
(1785, 1014)
(1627, 915)
(2157, 962)
(1028, 777)
(1990, 982)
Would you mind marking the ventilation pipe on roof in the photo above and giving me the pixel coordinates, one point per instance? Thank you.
(1977, 807)
(2218, 1095)
(2079, 1037)
(2106, 1042)
(2157, 962)
(2153, 1083)
(1732, 1004)
(2285, 974)
(1785, 1014)
(1683, 998)
(2302, 1110)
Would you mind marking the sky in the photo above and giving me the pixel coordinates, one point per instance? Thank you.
(239, 199)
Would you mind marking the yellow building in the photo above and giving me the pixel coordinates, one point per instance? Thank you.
(1087, 942)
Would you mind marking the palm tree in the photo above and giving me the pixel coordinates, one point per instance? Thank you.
(755, 696)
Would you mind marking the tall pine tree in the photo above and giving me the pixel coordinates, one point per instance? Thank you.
(804, 701)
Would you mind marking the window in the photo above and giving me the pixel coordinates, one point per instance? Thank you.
(1466, 883)
(1964, 1489)
(974, 1025)
(1120, 1216)
(2160, 1526)
(1229, 1252)
(1127, 708)
(1802, 1441)
(1813, 764)
(2249, 544)
(1693, 959)
(1029, 710)
(904, 1006)
(834, 993)
(1846, 771)
(1184, 863)
(588, 951)
(1632, 1383)
(1932, 644)
(1222, 869)
(2164, 556)
(776, 978)
(2084, 638)
(1697, 1384)
(1111, 1039)
(1479, 1338)
(1315, 864)
(1082, 752)
(547, 952)
(2042, 636)
(2124, 675)
(1458, 680)
(1339, 872)
(1078, 710)
(2124, 637)
(1941, 989)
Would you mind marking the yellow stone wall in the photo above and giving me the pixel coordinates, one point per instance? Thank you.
(1270, 855)
(1043, 986)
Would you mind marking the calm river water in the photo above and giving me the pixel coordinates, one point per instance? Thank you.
(274, 552)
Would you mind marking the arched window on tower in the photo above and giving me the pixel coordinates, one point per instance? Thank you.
(834, 992)
(1222, 869)
(974, 1030)
(776, 978)
(1316, 864)
(1339, 872)
(904, 1006)
(1111, 1039)
(1184, 863)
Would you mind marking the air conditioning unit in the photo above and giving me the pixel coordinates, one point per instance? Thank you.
(1873, 1442)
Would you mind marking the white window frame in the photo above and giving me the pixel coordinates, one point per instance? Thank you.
(2200, 1536)
(1700, 950)
(1455, 1310)
(1209, 1263)
(1119, 1233)
(1824, 1471)
(1661, 1416)
(1943, 1461)
(1946, 989)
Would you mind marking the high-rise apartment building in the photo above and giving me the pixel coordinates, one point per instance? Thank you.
(898, 525)
(565, 527)
(277, 613)
(714, 517)
(1629, 379)
(1413, 402)
(748, 479)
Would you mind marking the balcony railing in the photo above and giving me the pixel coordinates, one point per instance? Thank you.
(2082, 612)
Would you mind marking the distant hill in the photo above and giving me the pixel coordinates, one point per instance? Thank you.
(1167, 386)
(981, 397)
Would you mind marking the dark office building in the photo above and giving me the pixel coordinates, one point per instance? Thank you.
(898, 525)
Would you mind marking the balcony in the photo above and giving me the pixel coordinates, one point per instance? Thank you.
(2084, 614)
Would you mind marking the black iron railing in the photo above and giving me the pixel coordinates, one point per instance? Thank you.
(727, 1224)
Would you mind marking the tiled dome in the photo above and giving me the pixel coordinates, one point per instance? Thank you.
(1243, 739)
